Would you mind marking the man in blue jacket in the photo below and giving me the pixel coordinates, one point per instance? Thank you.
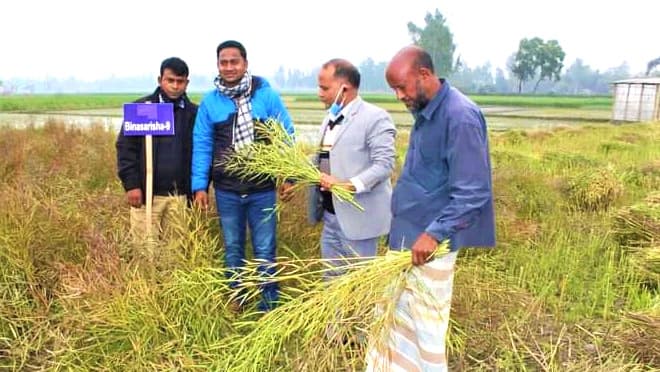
(225, 122)
(444, 193)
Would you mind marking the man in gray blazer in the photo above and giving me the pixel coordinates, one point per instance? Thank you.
(357, 152)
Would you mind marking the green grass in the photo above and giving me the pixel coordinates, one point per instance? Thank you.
(498, 100)
(57, 102)
(561, 292)
(60, 102)
(502, 112)
(582, 102)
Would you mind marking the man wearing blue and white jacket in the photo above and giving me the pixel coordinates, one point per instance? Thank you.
(225, 122)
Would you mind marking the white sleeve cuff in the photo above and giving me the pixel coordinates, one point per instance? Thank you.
(359, 186)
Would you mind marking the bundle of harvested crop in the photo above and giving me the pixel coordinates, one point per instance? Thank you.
(276, 155)
(324, 325)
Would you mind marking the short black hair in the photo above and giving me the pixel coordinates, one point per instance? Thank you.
(231, 44)
(423, 59)
(176, 64)
(346, 70)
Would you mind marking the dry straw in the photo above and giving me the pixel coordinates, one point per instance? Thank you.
(595, 190)
(324, 324)
(637, 229)
(275, 155)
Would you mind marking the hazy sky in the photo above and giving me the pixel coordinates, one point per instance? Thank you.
(93, 39)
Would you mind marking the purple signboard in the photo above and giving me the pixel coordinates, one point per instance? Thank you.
(141, 119)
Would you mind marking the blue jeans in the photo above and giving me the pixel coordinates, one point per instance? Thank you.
(257, 210)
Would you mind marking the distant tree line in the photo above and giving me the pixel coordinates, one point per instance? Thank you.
(113, 84)
(536, 61)
(577, 78)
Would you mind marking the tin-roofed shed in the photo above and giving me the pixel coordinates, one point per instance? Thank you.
(636, 100)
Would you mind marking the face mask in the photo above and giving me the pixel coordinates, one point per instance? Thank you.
(335, 108)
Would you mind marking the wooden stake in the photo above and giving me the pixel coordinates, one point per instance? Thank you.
(148, 146)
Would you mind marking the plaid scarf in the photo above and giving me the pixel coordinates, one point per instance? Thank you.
(240, 94)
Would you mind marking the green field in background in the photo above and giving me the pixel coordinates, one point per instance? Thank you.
(59, 102)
